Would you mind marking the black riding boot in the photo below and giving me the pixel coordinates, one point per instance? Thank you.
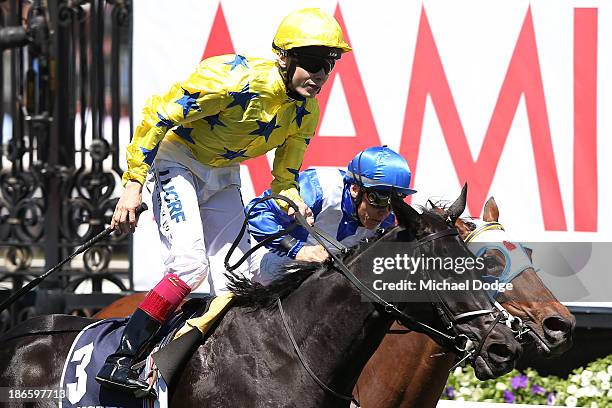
(117, 373)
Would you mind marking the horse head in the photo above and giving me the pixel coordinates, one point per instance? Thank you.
(467, 313)
(550, 324)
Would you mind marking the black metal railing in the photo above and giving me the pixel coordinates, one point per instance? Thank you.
(67, 99)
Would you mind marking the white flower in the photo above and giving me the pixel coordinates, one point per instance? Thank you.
(477, 394)
(592, 391)
(582, 392)
(460, 399)
(587, 374)
(585, 382)
(465, 391)
(594, 405)
(464, 383)
(575, 378)
(571, 401)
(605, 385)
(572, 389)
(609, 370)
(501, 386)
(609, 393)
(603, 376)
(457, 372)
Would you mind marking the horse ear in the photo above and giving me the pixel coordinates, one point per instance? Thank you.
(407, 217)
(490, 212)
(438, 210)
(457, 208)
(529, 252)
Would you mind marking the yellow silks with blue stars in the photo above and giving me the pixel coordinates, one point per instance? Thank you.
(230, 109)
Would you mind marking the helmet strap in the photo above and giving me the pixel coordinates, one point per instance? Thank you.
(359, 198)
(290, 71)
(356, 203)
(287, 73)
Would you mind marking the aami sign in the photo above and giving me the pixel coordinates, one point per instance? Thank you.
(504, 95)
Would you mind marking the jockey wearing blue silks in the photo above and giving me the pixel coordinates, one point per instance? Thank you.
(350, 205)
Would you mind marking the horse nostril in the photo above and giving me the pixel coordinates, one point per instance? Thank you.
(557, 326)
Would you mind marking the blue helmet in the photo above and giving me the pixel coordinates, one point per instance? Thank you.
(380, 168)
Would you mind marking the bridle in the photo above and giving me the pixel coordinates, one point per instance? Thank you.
(516, 263)
(459, 343)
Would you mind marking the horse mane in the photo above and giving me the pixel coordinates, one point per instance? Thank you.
(253, 295)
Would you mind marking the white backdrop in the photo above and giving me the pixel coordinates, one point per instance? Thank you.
(526, 76)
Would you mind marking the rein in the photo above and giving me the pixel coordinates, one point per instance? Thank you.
(301, 221)
(305, 364)
(320, 237)
(460, 343)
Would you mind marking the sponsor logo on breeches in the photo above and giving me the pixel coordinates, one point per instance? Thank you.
(171, 197)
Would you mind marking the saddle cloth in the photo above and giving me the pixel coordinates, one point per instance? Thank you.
(100, 339)
(87, 354)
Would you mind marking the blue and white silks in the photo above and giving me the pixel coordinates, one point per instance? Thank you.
(326, 193)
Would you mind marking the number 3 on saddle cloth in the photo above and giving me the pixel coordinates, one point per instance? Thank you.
(96, 341)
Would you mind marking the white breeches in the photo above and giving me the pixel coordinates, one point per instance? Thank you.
(198, 217)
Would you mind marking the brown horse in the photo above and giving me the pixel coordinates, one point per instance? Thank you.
(420, 378)
(121, 307)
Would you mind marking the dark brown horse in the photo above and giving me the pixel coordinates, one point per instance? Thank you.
(418, 381)
(249, 361)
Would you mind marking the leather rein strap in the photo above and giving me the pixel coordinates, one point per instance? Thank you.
(320, 237)
(301, 221)
(305, 364)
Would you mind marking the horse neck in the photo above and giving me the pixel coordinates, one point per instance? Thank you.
(336, 327)
(402, 373)
(430, 375)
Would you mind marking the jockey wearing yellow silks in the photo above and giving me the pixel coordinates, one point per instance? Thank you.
(192, 139)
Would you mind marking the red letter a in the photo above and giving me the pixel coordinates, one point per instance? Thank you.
(339, 150)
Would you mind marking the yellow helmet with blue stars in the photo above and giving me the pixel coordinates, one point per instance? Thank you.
(310, 27)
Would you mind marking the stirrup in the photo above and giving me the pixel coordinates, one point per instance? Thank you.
(145, 390)
(148, 392)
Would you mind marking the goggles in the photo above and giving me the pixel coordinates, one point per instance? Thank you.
(314, 64)
(378, 199)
